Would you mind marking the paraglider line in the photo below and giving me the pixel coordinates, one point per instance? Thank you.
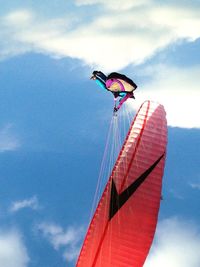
(124, 180)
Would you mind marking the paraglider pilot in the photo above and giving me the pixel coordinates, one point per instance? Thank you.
(118, 84)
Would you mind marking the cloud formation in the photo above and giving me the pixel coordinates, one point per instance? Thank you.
(13, 252)
(124, 36)
(177, 244)
(31, 203)
(177, 89)
(117, 37)
(114, 4)
(68, 240)
(195, 185)
(8, 141)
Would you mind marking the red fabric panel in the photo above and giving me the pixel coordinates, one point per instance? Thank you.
(125, 239)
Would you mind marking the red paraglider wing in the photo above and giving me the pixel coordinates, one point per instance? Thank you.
(122, 229)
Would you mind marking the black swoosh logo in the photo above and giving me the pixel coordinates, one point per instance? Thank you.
(118, 200)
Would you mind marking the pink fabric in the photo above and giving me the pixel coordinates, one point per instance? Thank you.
(111, 81)
(123, 100)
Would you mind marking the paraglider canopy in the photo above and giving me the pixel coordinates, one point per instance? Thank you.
(121, 231)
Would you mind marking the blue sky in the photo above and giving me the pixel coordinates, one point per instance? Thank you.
(54, 120)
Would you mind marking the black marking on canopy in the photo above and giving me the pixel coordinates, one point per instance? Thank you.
(118, 200)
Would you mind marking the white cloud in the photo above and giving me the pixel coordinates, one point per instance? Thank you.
(22, 18)
(177, 89)
(31, 203)
(195, 185)
(114, 4)
(67, 240)
(175, 194)
(13, 252)
(115, 38)
(8, 141)
(177, 244)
